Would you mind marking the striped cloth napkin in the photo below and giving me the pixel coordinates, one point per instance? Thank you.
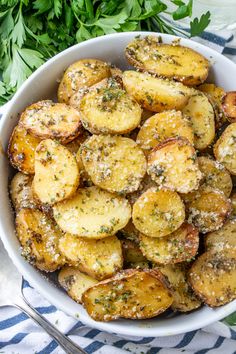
(19, 334)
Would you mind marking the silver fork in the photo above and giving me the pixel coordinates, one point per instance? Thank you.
(11, 295)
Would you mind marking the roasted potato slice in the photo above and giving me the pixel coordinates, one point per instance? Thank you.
(157, 213)
(98, 258)
(133, 293)
(109, 110)
(21, 150)
(215, 95)
(116, 164)
(215, 175)
(161, 126)
(108, 213)
(39, 238)
(130, 232)
(167, 60)
(173, 164)
(179, 246)
(21, 192)
(213, 277)
(225, 148)
(208, 209)
(155, 94)
(75, 144)
(145, 184)
(201, 114)
(56, 172)
(46, 119)
(184, 299)
(229, 105)
(233, 202)
(131, 252)
(75, 282)
(81, 74)
(222, 239)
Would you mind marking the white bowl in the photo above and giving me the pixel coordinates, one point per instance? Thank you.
(43, 84)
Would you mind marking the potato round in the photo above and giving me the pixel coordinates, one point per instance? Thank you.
(229, 106)
(172, 164)
(168, 60)
(213, 277)
(179, 246)
(46, 119)
(224, 238)
(56, 172)
(201, 114)
(116, 164)
(208, 209)
(184, 299)
(75, 282)
(109, 110)
(21, 192)
(82, 73)
(225, 148)
(161, 126)
(92, 213)
(215, 175)
(233, 202)
(39, 238)
(157, 213)
(155, 94)
(21, 150)
(98, 258)
(134, 293)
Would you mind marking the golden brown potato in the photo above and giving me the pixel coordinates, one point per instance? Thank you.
(229, 105)
(46, 119)
(179, 246)
(56, 172)
(225, 148)
(184, 299)
(129, 232)
(215, 175)
(116, 164)
(145, 184)
(92, 213)
(74, 282)
(98, 258)
(21, 150)
(167, 60)
(133, 293)
(75, 144)
(81, 74)
(215, 95)
(21, 192)
(201, 114)
(157, 213)
(109, 110)
(208, 209)
(161, 126)
(156, 94)
(131, 252)
(213, 277)
(233, 202)
(39, 238)
(173, 164)
(222, 239)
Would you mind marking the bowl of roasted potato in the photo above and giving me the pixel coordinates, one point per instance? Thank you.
(118, 164)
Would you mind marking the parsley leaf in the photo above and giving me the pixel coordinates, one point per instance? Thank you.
(183, 9)
(198, 26)
(231, 319)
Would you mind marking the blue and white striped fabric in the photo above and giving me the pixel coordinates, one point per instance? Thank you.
(19, 334)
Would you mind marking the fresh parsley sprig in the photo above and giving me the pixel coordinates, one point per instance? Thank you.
(33, 31)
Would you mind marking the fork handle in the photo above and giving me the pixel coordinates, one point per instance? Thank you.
(60, 338)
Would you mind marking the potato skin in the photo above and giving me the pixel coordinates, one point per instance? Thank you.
(99, 259)
(21, 150)
(213, 277)
(157, 213)
(179, 246)
(222, 239)
(81, 74)
(132, 293)
(167, 60)
(156, 94)
(21, 192)
(225, 148)
(39, 238)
